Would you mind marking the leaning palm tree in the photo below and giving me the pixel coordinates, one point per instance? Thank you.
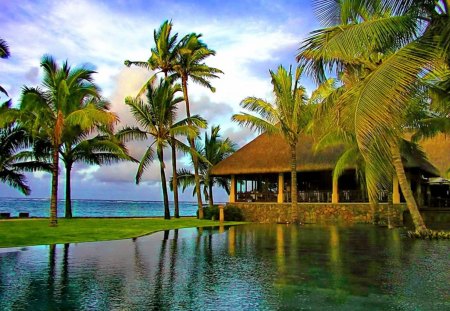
(288, 116)
(163, 58)
(156, 120)
(60, 104)
(191, 53)
(388, 46)
(213, 151)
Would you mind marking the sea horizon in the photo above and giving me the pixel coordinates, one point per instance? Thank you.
(39, 207)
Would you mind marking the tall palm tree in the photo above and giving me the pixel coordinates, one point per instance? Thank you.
(156, 119)
(4, 53)
(60, 104)
(163, 58)
(288, 116)
(213, 151)
(387, 45)
(191, 53)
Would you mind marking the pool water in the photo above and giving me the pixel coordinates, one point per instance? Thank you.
(248, 267)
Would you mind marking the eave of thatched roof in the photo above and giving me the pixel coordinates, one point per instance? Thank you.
(271, 154)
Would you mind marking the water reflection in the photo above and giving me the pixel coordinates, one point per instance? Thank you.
(249, 267)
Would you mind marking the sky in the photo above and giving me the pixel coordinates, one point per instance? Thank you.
(249, 37)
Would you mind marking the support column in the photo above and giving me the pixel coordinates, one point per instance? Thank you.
(280, 188)
(419, 194)
(233, 189)
(395, 191)
(335, 194)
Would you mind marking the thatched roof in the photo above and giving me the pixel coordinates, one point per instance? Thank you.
(438, 152)
(270, 154)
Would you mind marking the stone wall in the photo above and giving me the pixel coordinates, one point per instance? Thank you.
(323, 213)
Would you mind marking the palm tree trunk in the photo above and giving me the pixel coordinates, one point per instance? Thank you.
(294, 183)
(174, 169)
(54, 194)
(175, 177)
(164, 184)
(68, 213)
(419, 224)
(210, 189)
(194, 157)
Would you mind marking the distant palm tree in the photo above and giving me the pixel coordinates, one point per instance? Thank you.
(191, 53)
(61, 104)
(213, 151)
(78, 146)
(289, 116)
(163, 58)
(156, 119)
(4, 53)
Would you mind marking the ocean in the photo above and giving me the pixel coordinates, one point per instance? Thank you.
(94, 208)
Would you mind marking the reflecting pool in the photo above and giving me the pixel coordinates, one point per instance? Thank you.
(248, 267)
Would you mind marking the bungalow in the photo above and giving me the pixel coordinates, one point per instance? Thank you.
(260, 178)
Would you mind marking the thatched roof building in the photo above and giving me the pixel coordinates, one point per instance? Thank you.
(271, 154)
(260, 171)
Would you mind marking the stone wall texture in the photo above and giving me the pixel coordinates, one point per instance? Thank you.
(384, 214)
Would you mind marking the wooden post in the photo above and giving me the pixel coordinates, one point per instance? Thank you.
(221, 214)
(335, 193)
(419, 194)
(233, 189)
(280, 198)
(395, 191)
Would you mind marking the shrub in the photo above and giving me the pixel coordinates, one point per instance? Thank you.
(233, 213)
(210, 213)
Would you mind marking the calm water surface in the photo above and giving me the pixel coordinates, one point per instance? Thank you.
(249, 267)
(94, 208)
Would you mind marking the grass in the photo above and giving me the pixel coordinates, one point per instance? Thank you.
(27, 232)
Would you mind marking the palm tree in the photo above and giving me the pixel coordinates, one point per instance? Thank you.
(385, 46)
(191, 53)
(77, 146)
(16, 156)
(288, 116)
(213, 151)
(60, 104)
(156, 119)
(163, 58)
(4, 53)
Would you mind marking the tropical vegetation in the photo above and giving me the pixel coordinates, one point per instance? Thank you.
(184, 60)
(16, 158)
(381, 49)
(289, 116)
(156, 118)
(163, 57)
(213, 150)
(64, 101)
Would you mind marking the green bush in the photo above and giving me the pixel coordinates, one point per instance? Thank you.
(210, 213)
(233, 213)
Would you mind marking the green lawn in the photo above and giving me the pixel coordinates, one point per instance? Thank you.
(26, 232)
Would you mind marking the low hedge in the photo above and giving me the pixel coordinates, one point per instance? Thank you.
(231, 213)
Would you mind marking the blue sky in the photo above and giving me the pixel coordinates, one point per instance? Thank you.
(249, 37)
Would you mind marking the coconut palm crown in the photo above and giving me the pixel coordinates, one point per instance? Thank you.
(64, 101)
